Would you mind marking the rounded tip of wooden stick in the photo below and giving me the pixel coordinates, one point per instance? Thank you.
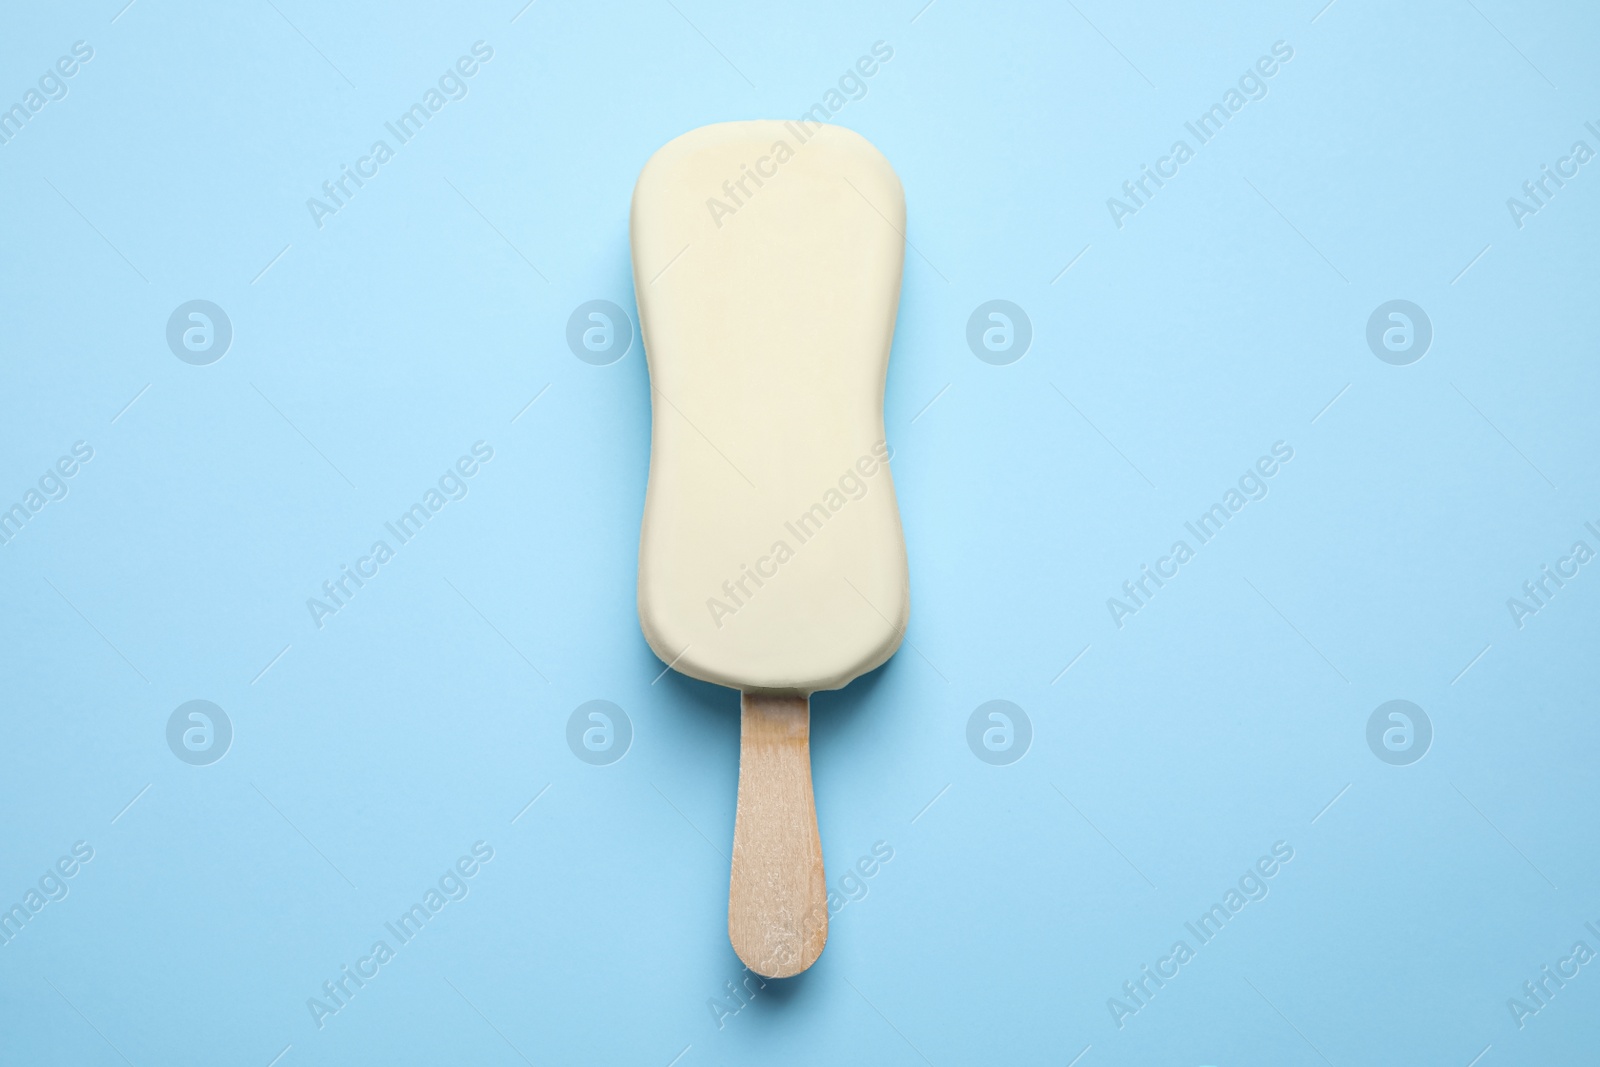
(780, 954)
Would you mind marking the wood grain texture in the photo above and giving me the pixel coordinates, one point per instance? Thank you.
(778, 895)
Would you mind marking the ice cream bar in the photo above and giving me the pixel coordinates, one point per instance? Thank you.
(766, 261)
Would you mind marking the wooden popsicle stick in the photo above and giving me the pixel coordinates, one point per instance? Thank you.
(778, 896)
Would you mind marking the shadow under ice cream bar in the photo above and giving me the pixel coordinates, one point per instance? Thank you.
(768, 341)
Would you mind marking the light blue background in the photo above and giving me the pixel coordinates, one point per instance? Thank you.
(1223, 717)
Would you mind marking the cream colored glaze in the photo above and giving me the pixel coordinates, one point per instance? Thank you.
(767, 323)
